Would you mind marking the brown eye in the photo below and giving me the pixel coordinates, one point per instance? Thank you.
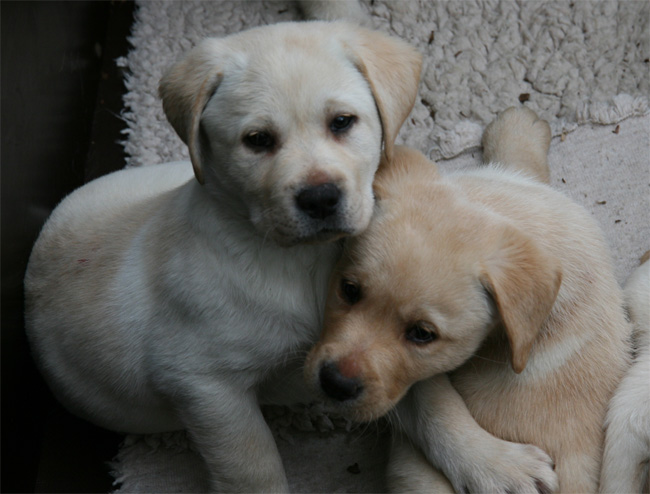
(350, 291)
(342, 123)
(259, 141)
(421, 333)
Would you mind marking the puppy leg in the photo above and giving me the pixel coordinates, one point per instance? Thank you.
(229, 431)
(434, 417)
(410, 472)
(519, 139)
(627, 440)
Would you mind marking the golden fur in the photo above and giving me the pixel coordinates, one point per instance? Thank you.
(515, 283)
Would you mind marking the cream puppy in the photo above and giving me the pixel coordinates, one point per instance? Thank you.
(627, 444)
(158, 302)
(490, 276)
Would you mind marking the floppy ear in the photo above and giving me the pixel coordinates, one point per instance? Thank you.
(392, 69)
(185, 90)
(405, 161)
(524, 282)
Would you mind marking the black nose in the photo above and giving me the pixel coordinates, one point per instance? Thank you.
(319, 201)
(336, 385)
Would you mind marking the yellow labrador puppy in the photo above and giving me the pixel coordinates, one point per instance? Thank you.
(158, 302)
(490, 276)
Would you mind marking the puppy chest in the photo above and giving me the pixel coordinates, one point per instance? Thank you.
(237, 326)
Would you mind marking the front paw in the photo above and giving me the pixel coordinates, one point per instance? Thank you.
(508, 468)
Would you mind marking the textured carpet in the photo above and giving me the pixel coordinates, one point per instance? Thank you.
(583, 65)
(573, 61)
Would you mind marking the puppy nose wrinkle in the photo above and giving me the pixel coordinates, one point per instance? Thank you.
(337, 386)
(319, 201)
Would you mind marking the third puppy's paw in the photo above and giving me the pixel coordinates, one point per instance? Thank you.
(519, 139)
(512, 468)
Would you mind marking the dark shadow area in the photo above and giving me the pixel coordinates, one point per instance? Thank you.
(60, 105)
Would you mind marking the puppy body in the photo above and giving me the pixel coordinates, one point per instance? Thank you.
(119, 252)
(495, 278)
(156, 302)
(559, 399)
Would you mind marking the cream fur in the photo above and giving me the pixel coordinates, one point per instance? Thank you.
(158, 302)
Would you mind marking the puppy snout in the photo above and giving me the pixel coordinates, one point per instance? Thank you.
(319, 201)
(336, 385)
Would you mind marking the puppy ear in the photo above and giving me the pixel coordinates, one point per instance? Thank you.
(392, 69)
(185, 90)
(524, 282)
(404, 162)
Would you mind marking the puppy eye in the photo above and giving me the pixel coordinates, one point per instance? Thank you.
(342, 123)
(259, 141)
(421, 333)
(350, 291)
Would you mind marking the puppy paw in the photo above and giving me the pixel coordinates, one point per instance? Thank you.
(520, 140)
(510, 468)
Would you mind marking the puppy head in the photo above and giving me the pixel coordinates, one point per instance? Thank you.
(422, 288)
(289, 120)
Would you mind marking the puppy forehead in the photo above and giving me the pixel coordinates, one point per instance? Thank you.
(413, 266)
(291, 80)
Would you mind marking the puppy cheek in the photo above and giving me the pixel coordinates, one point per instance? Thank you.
(396, 382)
(366, 211)
(378, 400)
(386, 379)
(361, 208)
(359, 172)
(256, 217)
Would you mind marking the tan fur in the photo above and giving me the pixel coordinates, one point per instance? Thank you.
(385, 74)
(516, 282)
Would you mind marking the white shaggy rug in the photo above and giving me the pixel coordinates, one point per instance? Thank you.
(582, 65)
(573, 61)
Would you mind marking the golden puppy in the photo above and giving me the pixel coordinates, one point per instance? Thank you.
(490, 276)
